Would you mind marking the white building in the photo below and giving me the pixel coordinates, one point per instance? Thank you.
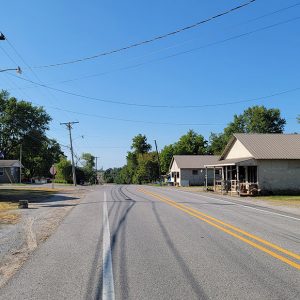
(261, 162)
(186, 170)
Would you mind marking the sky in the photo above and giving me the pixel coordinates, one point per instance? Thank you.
(250, 54)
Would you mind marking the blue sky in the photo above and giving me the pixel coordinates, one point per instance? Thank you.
(259, 64)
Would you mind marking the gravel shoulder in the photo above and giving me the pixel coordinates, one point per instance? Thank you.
(37, 223)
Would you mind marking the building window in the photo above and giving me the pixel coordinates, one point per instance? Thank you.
(1, 171)
(195, 172)
(177, 175)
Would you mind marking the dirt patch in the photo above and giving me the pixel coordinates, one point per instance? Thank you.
(8, 213)
(36, 225)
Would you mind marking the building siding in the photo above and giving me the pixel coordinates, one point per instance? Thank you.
(10, 175)
(279, 176)
(238, 150)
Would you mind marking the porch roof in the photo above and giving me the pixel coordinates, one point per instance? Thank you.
(8, 163)
(234, 162)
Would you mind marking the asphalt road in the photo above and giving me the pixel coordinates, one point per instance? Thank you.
(140, 242)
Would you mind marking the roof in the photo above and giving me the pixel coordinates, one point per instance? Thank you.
(232, 162)
(7, 163)
(194, 161)
(267, 146)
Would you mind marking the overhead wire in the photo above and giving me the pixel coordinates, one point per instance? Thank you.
(50, 95)
(209, 104)
(159, 37)
(181, 52)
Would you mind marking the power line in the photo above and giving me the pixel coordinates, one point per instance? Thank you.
(160, 37)
(135, 121)
(160, 106)
(181, 52)
(28, 66)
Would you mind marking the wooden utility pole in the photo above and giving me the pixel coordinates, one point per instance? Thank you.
(69, 127)
(96, 167)
(21, 163)
(158, 160)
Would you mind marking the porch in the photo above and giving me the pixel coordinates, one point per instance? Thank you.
(238, 177)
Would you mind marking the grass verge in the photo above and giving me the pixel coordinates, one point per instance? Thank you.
(8, 213)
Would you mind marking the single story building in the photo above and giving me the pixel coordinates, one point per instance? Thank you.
(269, 163)
(10, 171)
(187, 170)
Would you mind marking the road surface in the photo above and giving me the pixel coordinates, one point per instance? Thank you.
(141, 242)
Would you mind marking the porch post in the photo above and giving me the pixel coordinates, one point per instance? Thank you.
(237, 178)
(214, 179)
(206, 178)
(223, 180)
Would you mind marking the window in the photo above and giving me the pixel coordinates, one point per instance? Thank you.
(177, 175)
(1, 171)
(195, 172)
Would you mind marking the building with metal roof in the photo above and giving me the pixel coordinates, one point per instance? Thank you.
(186, 170)
(261, 162)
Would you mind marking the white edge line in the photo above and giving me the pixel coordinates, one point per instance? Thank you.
(247, 206)
(108, 291)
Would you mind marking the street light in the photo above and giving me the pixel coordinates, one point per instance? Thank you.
(18, 70)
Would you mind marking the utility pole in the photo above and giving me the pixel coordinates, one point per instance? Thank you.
(69, 127)
(96, 167)
(159, 170)
(21, 163)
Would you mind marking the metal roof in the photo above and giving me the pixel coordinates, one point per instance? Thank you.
(7, 163)
(268, 146)
(194, 161)
(232, 162)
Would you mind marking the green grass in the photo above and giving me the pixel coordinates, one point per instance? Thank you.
(281, 199)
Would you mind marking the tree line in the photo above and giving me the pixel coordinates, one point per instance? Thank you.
(142, 163)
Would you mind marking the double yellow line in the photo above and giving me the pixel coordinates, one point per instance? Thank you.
(233, 231)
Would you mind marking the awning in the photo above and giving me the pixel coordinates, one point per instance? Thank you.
(246, 161)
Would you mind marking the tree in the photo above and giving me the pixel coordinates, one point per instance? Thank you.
(191, 143)
(19, 120)
(64, 170)
(89, 167)
(140, 145)
(217, 142)
(110, 175)
(255, 119)
(147, 170)
(166, 155)
(39, 156)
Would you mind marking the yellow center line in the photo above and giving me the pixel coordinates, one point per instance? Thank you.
(210, 220)
(294, 255)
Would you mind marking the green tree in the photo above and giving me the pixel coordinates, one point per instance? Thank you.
(255, 119)
(147, 170)
(166, 155)
(140, 145)
(191, 143)
(110, 175)
(39, 155)
(89, 167)
(64, 170)
(19, 120)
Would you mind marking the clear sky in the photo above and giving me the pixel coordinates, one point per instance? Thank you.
(252, 66)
